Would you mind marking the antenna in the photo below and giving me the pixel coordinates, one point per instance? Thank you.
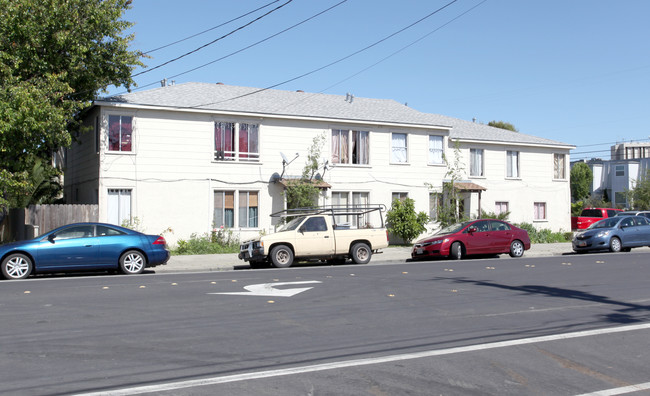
(285, 162)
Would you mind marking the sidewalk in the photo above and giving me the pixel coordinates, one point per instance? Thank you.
(397, 254)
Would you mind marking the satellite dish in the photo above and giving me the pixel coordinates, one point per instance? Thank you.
(285, 162)
(284, 157)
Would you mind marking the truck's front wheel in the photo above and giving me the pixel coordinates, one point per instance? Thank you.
(361, 253)
(281, 256)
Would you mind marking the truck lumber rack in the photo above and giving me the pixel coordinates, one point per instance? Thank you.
(333, 210)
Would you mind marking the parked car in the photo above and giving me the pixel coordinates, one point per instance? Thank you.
(484, 236)
(644, 213)
(618, 233)
(83, 246)
(589, 216)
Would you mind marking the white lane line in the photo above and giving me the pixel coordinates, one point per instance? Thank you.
(619, 391)
(358, 362)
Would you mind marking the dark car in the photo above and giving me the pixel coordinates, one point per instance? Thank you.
(484, 236)
(83, 246)
(618, 233)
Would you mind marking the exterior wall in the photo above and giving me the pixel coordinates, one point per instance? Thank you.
(82, 164)
(172, 174)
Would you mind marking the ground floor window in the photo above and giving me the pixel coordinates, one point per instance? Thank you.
(350, 199)
(500, 207)
(540, 211)
(248, 209)
(245, 208)
(119, 206)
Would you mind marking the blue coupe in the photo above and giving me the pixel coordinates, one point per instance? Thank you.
(618, 233)
(83, 246)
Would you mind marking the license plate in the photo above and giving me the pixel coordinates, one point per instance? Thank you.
(419, 251)
(582, 243)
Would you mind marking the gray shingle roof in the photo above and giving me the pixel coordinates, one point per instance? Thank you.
(228, 98)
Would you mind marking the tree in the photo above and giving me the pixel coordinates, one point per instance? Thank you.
(581, 179)
(55, 57)
(503, 125)
(303, 192)
(639, 196)
(448, 212)
(402, 220)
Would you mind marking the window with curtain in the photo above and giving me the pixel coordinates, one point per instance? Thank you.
(399, 196)
(248, 142)
(224, 140)
(435, 150)
(360, 147)
(512, 163)
(435, 204)
(500, 207)
(540, 211)
(559, 166)
(224, 209)
(120, 133)
(476, 162)
(399, 153)
(360, 199)
(248, 209)
(340, 198)
(119, 206)
(340, 146)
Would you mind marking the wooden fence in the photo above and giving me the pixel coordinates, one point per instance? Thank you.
(21, 224)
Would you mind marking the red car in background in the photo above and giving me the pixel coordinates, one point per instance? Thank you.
(483, 236)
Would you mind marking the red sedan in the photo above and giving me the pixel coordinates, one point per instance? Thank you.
(484, 236)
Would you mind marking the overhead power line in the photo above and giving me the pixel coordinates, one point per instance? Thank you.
(210, 29)
(338, 60)
(213, 41)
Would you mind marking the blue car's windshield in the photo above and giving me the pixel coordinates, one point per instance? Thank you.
(606, 223)
(452, 228)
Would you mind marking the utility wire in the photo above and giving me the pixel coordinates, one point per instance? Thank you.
(210, 29)
(336, 61)
(243, 49)
(385, 58)
(213, 41)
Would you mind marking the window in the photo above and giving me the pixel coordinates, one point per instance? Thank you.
(120, 133)
(248, 211)
(399, 153)
(476, 162)
(435, 150)
(435, 204)
(540, 211)
(512, 164)
(350, 147)
(620, 170)
(84, 231)
(342, 199)
(119, 206)
(315, 224)
(500, 207)
(236, 141)
(399, 195)
(224, 209)
(499, 226)
(248, 142)
(559, 166)
(620, 198)
(108, 231)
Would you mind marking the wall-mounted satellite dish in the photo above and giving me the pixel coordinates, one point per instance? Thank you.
(285, 162)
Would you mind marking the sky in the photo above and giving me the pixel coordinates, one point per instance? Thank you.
(574, 71)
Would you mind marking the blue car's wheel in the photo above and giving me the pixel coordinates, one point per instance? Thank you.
(615, 245)
(16, 266)
(132, 262)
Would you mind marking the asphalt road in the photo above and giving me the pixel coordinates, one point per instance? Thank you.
(561, 325)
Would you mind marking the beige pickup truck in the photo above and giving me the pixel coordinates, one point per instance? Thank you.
(330, 233)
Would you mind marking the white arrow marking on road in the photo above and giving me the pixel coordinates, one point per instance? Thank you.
(267, 289)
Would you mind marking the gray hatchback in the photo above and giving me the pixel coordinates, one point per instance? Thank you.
(619, 233)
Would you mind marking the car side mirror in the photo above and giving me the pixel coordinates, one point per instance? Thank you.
(471, 229)
(51, 237)
(301, 230)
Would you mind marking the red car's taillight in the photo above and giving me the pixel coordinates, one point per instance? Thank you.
(160, 241)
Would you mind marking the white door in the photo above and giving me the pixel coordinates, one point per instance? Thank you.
(119, 206)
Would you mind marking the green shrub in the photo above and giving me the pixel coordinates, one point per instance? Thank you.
(218, 242)
(545, 235)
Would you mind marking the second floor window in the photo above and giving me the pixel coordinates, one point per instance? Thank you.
(350, 147)
(399, 153)
(435, 150)
(236, 141)
(476, 162)
(559, 166)
(120, 133)
(512, 164)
